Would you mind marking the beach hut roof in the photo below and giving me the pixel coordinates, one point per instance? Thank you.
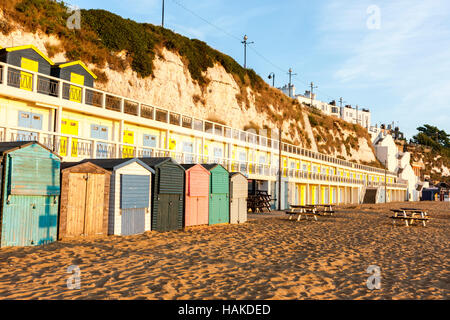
(32, 47)
(72, 63)
(211, 166)
(114, 164)
(155, 162)
(65, 165)
(6, 147)
(82, 166)
(189, 166)
(232, 174)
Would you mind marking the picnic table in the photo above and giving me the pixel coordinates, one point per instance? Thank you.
(309, 210)
(410, 215)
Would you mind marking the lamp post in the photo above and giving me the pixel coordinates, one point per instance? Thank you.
(290, 80)
(272, 76)
(312, 89)
(162, 22)
(245, 50)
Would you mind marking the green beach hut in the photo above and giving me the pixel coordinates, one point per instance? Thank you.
(219, 194)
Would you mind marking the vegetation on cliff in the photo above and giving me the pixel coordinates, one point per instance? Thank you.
(432, 146)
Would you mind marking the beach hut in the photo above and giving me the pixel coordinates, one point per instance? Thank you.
(84, 204)
(167, 194)
(77, 73)
(219, 194)
(238, 197)
(74, 71)
(196, 200)
(28, 58)
(30, 191)
(129, 195)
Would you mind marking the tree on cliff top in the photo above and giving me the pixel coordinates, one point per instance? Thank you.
(433, 137)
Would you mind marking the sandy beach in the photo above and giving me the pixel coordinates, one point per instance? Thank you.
(269, 257)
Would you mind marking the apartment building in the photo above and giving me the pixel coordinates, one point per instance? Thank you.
(63, 110)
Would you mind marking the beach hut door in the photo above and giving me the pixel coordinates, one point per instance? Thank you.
(168, 211)
(134, 202)
(85, 204)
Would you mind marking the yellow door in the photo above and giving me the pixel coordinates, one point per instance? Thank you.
(172, 147)
(128, 137)
(302, 195)
(332, 196)
(75, 91)
(322, 200)
(26, 79)
(313, 195)
(234, 164)
(250, 159)
(69, 127)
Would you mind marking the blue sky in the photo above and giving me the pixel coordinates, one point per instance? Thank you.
(400, 71)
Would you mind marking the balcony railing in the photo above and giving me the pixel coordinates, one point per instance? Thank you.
(47, 86)
(51, 86)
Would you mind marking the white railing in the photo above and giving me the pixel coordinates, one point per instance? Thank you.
(61, 89)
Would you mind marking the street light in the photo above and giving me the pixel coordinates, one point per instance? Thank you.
(290, 78)
(162, 22)
(272, 76)
(245, 50)
(312, 89)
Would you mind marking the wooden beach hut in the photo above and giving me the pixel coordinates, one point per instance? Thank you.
(219, 194)
(84, 205)
(28, 58)
(238, 197)
(167, 193)
(129, 195)
(196, 200)
(30, 188)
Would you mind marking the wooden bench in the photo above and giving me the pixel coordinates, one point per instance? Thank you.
(410, 215)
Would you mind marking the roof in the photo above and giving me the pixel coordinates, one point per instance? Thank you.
(154, 162)
(188, 166)
(211, 166)
(114, 164)
(232, 174)
(39, 52)
(72, 63)
(65, 165)
(68, 165)
(6, 147)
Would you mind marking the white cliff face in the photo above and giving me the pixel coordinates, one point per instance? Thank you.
(173, 88)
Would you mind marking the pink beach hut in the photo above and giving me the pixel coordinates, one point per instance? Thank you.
(196, 195)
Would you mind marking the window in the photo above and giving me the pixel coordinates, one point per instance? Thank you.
(150, 140)
(218, 152)
(188, 149)
(262, 159)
